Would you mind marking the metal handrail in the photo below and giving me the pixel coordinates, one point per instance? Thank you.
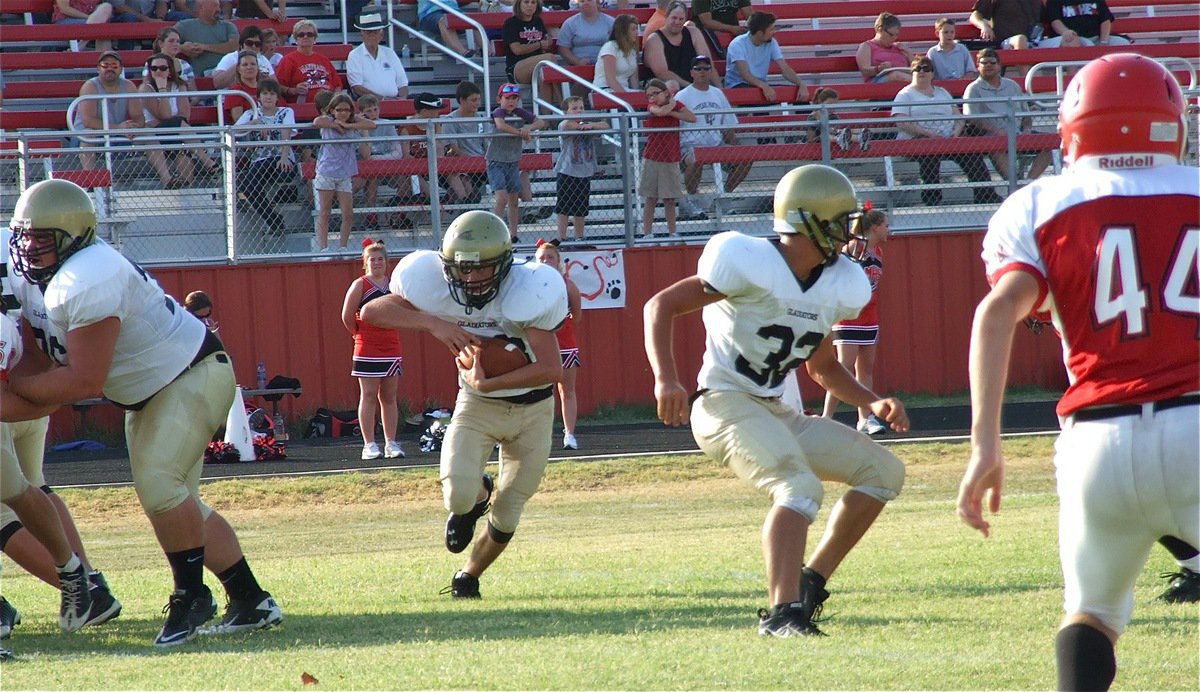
(220, 95)
(482, 66)
(1060, 68)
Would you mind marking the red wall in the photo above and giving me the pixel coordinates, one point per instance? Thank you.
(289, 316)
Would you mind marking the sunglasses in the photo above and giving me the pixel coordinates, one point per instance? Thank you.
(702, 68)
(893, 34)
(989, 61)
(160, 68)
(923, 68)
(306, 34)
(111, 65)
(252, 42)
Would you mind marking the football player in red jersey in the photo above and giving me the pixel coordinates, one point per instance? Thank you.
(1110, 249)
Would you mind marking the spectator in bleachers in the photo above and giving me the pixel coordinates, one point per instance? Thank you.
(669, 51)
(990, 85)
(434, 21)
(206, 37)
(574, 168)
(826, 96)
(145, 11)
(173, 112)
(304, 71)
(169, 43)
(714, 126)
(337, 164)
(247, 81)
(379, 148)
(720, 20)
(225, 73)
(84, 12)
(656, 21)
(1015, 24)
(122, 114)
(270, 166)
(426, 106)
(882, 59)
(662, 155)
(514, 127)
(527, 42)
(261, 9)
(951, 59)
(932, 107)
(750, 56)
(1089, 23)
(584, 33)
(472, 143)
(270, 49)
(373, 68)
(617, 64)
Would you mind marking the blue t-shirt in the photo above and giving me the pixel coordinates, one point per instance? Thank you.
(758, 59)
(425, 7)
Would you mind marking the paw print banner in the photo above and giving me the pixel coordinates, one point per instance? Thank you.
(600, 276)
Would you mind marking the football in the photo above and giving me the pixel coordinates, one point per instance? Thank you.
(498, 355)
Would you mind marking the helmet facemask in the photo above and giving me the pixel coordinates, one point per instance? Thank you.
(830, 236)
(470, 292)
(30, 259)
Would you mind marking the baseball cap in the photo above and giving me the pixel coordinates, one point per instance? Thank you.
(370, 21)
(426, 100)
(701, 59)
(110, 54)
(510, 89)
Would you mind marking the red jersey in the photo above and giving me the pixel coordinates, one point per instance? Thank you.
(566, 335)
(664, 146)
(1115, 254)
(872, 264)
(314, 71)
(370, 340)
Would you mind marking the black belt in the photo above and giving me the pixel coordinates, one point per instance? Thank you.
(528, 397)
(211, 344)
(1105, 412)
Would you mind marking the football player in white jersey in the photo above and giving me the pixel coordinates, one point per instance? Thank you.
(1111, 249)
(105, 326)
(768, 307)
(29, 443)
(472, 289)
(28, 502)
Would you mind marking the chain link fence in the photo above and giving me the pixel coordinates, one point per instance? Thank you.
(246, 193)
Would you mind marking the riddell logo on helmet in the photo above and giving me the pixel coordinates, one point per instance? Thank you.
(1127, 161)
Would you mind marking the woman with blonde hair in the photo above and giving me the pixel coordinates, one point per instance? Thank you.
(378, 356)
(882, 59)
(548, 253)
(617, 63)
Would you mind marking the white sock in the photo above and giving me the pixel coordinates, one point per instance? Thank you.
(71, 566)
(1192, 563)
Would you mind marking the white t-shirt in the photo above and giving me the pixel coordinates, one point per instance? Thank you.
(769, 323)
(707, 130)
(910, 103)
(383, 74)
(627, 66)
(265, 68)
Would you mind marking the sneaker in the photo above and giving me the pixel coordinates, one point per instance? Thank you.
(1183, 587)
(105, 606)
(6, 654)
(864, 139)
(185, 614)
(9, 618)
(569, 441)
(872, 426)
(462, 585)
(843, 139)
(76, 599)
(543, 212)
(371, 451)
(392, 450)
(258, 613)
(460, 528)
(812, 596)
(787, 620)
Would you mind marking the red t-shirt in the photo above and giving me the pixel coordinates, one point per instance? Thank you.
(314, 70)
(231, 101)
(664, 146)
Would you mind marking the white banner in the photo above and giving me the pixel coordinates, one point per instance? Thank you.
(600, 276)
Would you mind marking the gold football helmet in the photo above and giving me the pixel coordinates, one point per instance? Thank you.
(818, 202)
(52, 206)
(474, 243)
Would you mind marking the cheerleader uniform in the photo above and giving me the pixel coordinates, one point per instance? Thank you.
(377, 351)
(864, 329)
(568, 347)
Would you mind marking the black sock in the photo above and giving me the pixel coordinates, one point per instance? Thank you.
(811, 576)
(188, 568)
(1180, 550)
(1085, 658)
(239, 581)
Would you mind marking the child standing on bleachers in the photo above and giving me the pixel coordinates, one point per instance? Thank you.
(660, 163)
(337, 165)
(368, 106)
(574, 168)
(514, 127)
(270, 166)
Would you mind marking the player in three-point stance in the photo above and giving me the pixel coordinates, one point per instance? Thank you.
(768, 307)
(472, 289)
(1110, 249)
(105, 326)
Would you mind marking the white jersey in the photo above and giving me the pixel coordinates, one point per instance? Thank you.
(769, 321)
(532, 295)
(10, 345)
(157, 340)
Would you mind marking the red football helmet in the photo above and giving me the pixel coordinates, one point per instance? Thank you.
(1122, 103)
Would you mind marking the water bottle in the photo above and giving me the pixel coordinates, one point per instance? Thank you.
(262, 375)
(281, 432)
(406, 55)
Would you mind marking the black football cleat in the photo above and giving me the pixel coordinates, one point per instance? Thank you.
(460, 528)
(463, 585)
(787, 620)
(1184, 586)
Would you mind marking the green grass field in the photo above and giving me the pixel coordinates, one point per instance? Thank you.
(637, 574)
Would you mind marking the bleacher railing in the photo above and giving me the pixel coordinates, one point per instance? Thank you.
(231, 216)
(483, 66)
